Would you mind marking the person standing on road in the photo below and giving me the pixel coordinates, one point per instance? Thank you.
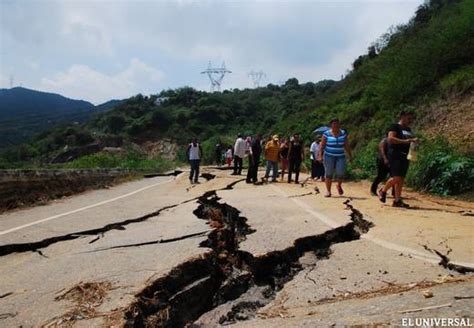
(272, 149)
(228, 156)
(218, 153)
(383, 168)
(295, 157)
(317, 168)
(194, 154)
(239, 154)
(284, 148)
(399, 138)
(254, 159)
(334, 146)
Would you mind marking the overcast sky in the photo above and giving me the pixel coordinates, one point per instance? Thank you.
(100, 50)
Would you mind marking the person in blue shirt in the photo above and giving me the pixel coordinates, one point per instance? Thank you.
(334, 146)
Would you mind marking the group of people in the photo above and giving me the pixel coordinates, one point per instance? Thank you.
(328, 153)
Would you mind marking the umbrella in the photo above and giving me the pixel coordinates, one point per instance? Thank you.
(321, 129)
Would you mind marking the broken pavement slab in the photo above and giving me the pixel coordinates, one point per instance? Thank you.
(277, 219)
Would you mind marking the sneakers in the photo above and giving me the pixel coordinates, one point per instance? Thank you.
(400, 203)
(382, 196)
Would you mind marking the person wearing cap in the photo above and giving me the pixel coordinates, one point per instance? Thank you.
(272, 150)
(239, 154)
(334, 146)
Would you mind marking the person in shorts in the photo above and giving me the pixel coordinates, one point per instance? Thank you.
(399, 139)
(334, 146)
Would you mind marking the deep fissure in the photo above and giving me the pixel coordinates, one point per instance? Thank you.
(226, 276)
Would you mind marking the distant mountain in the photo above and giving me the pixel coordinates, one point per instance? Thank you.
(109, 105)
(25, 112)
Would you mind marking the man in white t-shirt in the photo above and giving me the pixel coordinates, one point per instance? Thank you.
(239, 154)
(317, 168)
(194, 153)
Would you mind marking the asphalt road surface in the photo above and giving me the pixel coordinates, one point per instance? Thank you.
(162, 252)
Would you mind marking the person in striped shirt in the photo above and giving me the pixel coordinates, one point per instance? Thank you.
(334, 147)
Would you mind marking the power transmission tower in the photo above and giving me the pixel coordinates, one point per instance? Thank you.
(11, 81)
(257, 77)
(216, 75)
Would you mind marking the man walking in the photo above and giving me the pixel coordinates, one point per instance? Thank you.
(272, 149)
(254, 159)
(317, 168)
(218, 153)
(239, 154)
(295, 156)
(383, 168)
(194, 154)
(399, 139)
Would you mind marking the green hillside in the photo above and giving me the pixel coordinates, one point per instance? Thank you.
(25, 113)
(426, 65)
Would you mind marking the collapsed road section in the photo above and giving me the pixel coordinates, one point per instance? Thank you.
(228, 284)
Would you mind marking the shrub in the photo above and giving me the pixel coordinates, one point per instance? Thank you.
(441, 170)
(461, 80)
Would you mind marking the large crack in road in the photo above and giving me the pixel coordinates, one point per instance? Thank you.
(227, 284)
(37, 246)
(99, 232)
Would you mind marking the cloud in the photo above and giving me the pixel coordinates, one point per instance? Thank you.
(306, 39)
(83, 82)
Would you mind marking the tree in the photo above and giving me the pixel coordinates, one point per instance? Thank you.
(115, 123)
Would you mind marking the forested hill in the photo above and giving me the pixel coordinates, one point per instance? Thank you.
(425, 65)
(25, 112)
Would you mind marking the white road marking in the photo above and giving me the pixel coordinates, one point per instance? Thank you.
(424, 256)
(57, 216)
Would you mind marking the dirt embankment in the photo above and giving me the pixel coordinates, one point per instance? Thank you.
(20, 188)
(451, 117)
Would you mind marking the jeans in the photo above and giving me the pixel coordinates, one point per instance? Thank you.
(295, 166)
(253, 169)
(335, 164)
(382, 172)
(238, 163)
(272, 165)
(194, 175)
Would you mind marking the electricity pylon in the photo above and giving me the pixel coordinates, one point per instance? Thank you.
(257, 77)
(216, 75)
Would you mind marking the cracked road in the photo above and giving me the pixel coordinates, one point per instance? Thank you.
(224, 252)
